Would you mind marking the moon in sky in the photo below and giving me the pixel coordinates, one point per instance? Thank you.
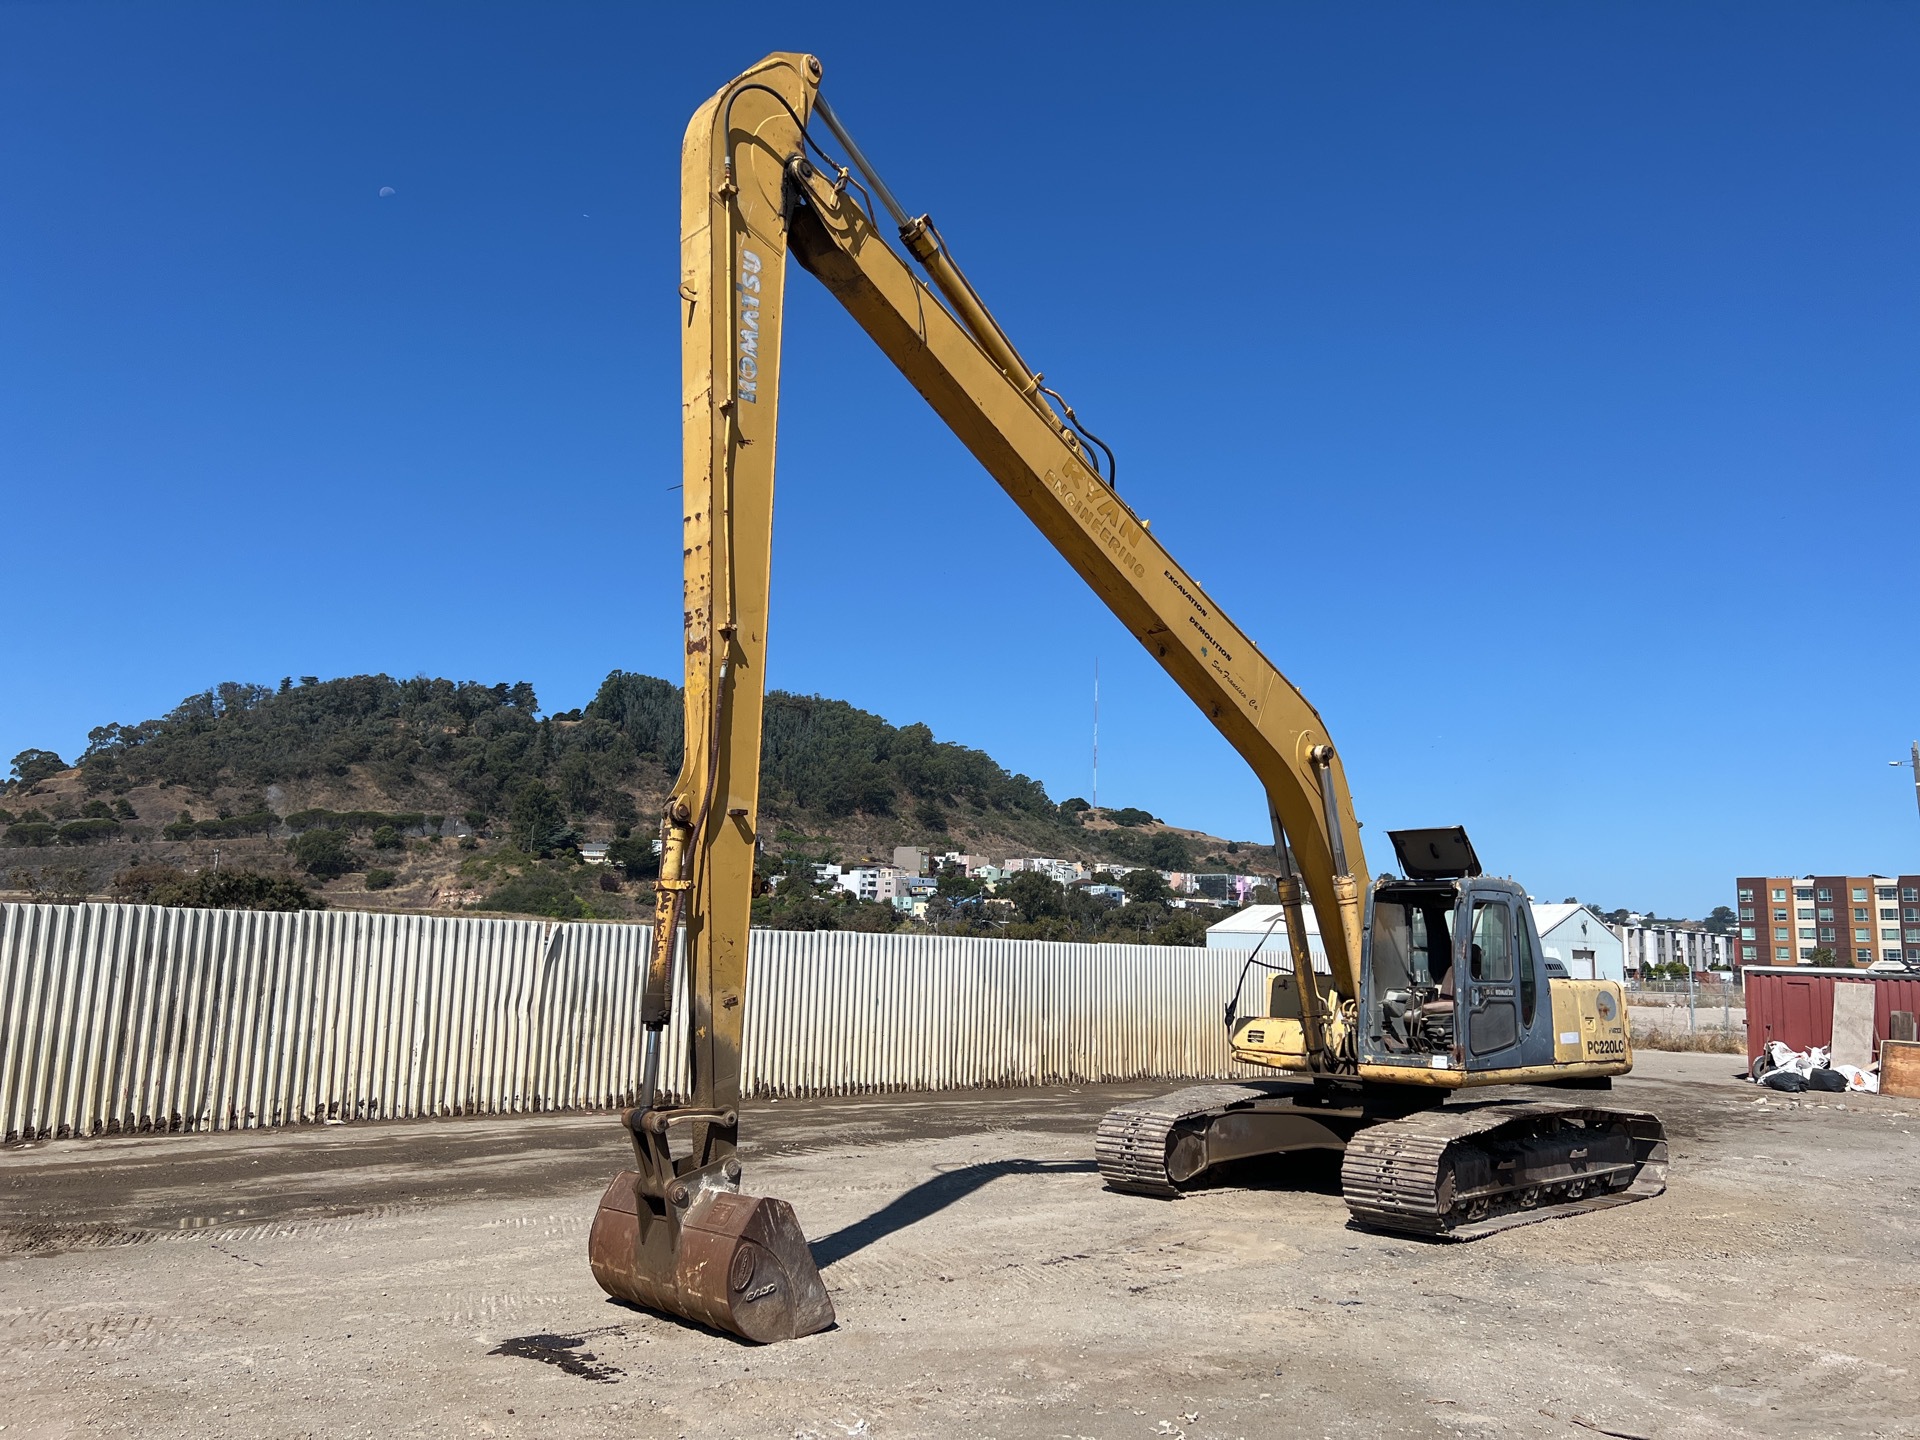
(385, 190)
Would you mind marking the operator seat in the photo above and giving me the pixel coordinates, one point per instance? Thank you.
(1438, 1011)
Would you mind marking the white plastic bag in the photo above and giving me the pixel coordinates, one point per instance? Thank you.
(1858, 1079)
(1773, 1056)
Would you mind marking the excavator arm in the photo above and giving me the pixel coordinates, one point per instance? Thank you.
(758, 183)
(957, 357)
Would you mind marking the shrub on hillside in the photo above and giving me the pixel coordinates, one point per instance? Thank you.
(355, 821)
(32, 832)
(220, 827)
(136, 884)
(85, 832)
(538, 891)
(213, 889)
(381, 879)
(54, 884)
(323, 854)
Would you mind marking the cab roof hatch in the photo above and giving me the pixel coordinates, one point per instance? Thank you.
(1444, 853)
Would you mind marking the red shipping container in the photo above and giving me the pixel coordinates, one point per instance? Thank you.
(1794, 1004)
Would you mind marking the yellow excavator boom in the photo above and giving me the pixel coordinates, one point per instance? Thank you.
(754, 188)
(757, 185)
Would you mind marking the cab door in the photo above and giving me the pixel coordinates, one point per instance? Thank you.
(1489, 1001)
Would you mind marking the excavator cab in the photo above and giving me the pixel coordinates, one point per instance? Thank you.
(1455, 978)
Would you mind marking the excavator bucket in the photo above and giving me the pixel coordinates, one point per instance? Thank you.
(730, 1261)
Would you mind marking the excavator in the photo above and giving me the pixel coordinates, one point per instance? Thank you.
(1435, 983)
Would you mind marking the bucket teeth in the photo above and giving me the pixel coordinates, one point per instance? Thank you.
(733, 1262)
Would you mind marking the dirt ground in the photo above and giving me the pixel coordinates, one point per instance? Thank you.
(429, 1279)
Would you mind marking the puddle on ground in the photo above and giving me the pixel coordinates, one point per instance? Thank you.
(564, 1352)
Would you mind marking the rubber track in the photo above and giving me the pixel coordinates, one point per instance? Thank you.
(1132, 1142)
(1391, 1172)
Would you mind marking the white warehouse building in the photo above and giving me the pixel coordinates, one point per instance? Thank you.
(1581, 941)
(1245, 929)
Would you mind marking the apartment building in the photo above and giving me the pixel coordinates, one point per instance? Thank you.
(1860, 918)
(1061, 872)
(967, 864)
(1643, 946)
(873, 882)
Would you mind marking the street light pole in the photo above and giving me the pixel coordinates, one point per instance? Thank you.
(1913, 765)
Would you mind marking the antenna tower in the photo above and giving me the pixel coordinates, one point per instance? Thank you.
(1096, 733)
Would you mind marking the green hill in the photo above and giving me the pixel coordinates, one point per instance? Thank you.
(241, 774)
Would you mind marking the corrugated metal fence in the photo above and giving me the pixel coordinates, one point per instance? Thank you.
(131, 1017)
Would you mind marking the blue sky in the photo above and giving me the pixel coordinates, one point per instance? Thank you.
(1535, 383)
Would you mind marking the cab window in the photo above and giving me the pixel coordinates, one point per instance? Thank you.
(1492, 952)
(1529, 981)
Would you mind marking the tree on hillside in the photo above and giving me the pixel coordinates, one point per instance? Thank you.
(1167, 851)
(954, 883)
(633, 853)
(1034, 896)
(30, 767)
(1145, 886)
(536, 820)
(647, 711)
(1183, 927)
